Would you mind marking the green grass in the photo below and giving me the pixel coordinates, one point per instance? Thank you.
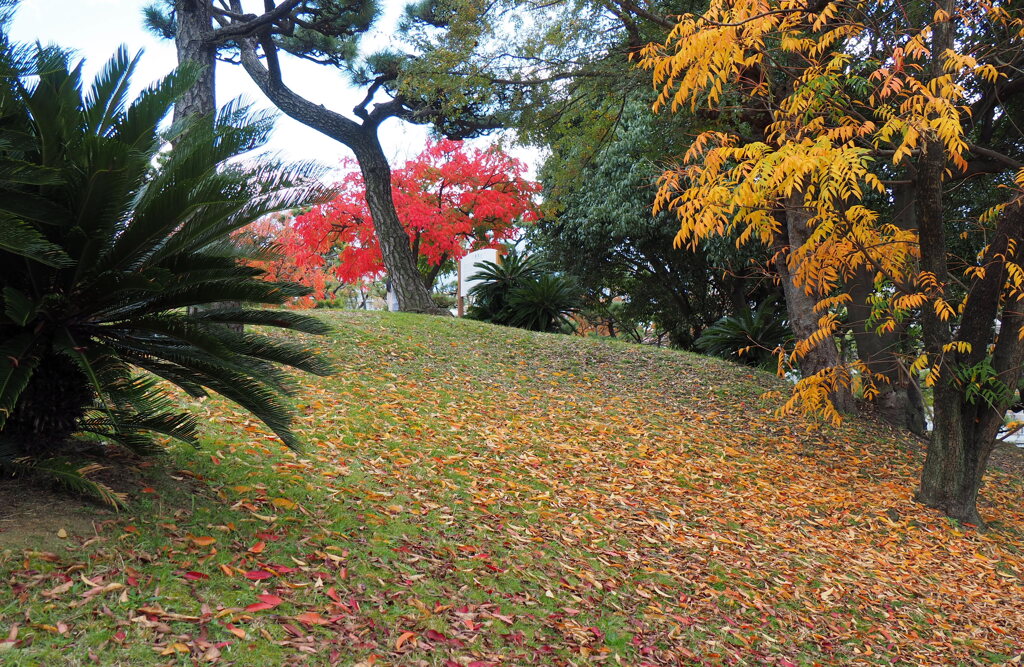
(485, 495)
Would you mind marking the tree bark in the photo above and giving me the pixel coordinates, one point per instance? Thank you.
(194, 24)
(800, 304)
(899, 400)
(966, 425)
(362, 139)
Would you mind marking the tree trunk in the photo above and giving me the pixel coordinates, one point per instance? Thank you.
(193, 27)
(413, 295)
(956, 461)
(966, 425)
(899, 400)
(800, 305)
(194, 24)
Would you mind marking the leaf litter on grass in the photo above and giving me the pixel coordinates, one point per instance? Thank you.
(473, 495)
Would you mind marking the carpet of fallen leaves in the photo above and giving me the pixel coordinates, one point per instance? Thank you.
(478, 496)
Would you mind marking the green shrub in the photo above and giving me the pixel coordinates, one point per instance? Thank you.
(750, 337)
(107, 239)
(519, 292)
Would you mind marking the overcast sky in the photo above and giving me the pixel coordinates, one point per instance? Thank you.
(94, 28)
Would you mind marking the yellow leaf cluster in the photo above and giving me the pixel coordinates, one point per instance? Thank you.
(816, 159)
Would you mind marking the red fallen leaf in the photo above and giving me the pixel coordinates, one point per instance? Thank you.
(434, 635)
(236, 631)
(269, 537)
(258, 575)
(282, 569)
(311, 618)
(120, 636)
(333, 594)
(481, 663)
(269, 599)
(258, 547)
(148, 489)
(516, 638)
(259, 606)
(195, 576)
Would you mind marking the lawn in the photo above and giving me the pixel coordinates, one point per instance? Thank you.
(472, 495)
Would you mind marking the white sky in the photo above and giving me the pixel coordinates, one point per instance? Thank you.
(94, 29)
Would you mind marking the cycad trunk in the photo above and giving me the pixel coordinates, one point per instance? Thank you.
(48, 411)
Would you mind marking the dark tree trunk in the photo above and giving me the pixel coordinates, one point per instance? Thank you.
(413, 296)
(50, 409)
(194, 25)
(966, 425)
(899, 400)
(800, 305)
(362, 139)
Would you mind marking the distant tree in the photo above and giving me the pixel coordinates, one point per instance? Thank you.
(451, 199)
(605, 236)
(327, 32)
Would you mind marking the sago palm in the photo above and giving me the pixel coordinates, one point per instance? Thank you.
(108, 236)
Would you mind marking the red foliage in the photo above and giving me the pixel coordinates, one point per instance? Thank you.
(290, 260)
(451, 199)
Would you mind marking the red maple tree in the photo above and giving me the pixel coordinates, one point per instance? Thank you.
(288, 259)
(451, 199)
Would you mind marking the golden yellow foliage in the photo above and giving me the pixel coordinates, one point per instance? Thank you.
(830, 125)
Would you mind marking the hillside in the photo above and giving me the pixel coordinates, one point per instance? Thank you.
(474, 495)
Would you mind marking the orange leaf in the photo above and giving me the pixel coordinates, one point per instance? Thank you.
(311, 618)
(404, 637)
(258, 547)
(203, 541)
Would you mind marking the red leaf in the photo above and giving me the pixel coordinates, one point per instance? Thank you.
(258, 575)
(195, 576)
(259, 606)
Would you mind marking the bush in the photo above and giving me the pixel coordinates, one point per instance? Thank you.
(750, 337)
(106, 241)
(520, 293)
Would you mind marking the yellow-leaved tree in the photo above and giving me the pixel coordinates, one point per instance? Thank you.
(859, 117)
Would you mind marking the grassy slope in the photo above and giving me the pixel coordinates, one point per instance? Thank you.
(485, 496)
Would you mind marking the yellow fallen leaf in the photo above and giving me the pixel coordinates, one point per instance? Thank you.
(284, 503)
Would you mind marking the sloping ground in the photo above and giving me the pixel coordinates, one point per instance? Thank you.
(473, 495)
